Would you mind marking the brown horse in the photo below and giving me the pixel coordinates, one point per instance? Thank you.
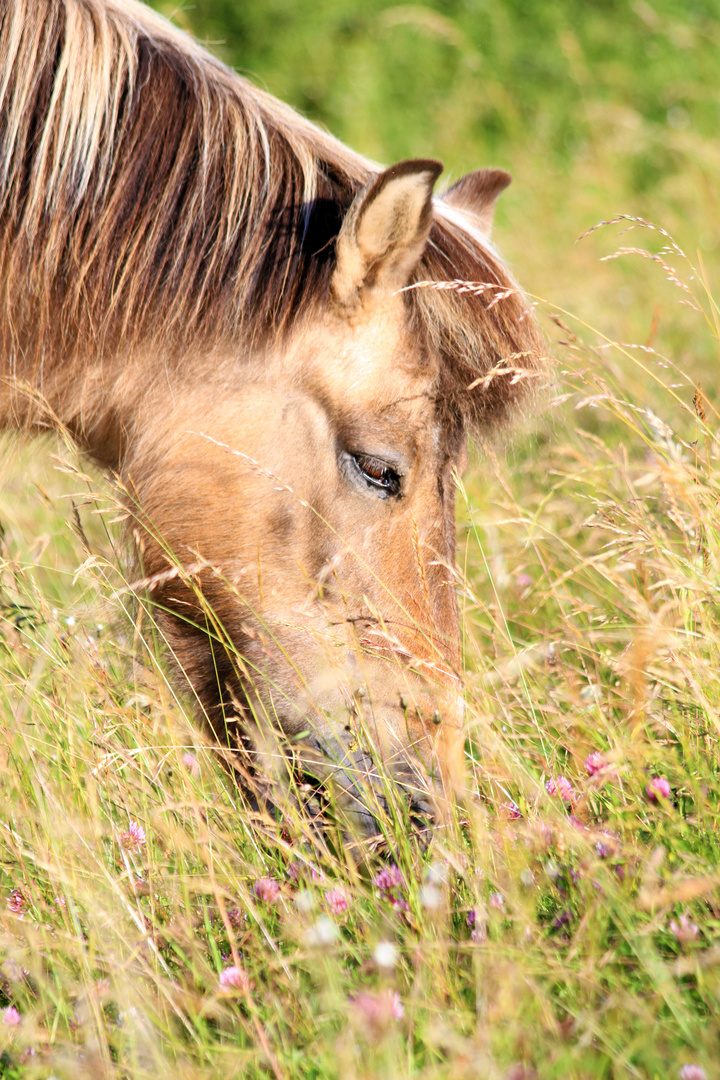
(268, 339)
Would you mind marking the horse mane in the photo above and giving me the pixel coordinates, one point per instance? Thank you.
(149, 195)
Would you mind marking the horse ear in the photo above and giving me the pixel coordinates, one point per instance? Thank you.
(477, 193)
(384, 232)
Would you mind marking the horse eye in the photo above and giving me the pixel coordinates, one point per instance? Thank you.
(377, 474)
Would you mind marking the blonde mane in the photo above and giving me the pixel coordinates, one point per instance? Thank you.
(149, 195)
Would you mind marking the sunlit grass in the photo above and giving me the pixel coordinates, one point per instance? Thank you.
(564, 924)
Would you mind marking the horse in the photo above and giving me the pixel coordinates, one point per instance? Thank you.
(279, 349)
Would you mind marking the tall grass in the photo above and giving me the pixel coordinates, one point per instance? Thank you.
(564, 924)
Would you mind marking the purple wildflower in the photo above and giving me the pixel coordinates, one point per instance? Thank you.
(16, 903)
(563, 919)
(337, 901)
(692, 1072)
(191, 764)
(294, 872)
(236, 917)
(235, 978)
(607, 845)
(658, 788)
(684, 929)
(11, 972)
(518, 1071)
(545, 835)
(594, 763)
(561, 787)
(477, 923)
(300, 870)
(378, 1011)
(390, 882)
(267, 890)
(512, 810)
(11, 1016)
(134, 838)
(390, 877)
(496, 901)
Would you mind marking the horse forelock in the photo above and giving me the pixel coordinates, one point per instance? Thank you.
(494, 361)
(150, 195)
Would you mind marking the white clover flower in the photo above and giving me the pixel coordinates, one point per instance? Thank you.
(322, 934)
(431, 897)
(385, 954)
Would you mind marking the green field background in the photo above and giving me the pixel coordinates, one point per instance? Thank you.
(596, 108)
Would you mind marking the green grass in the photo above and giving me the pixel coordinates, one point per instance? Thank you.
(589, 585)
(589, 597)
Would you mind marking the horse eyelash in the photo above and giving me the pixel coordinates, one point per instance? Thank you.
(389, 488)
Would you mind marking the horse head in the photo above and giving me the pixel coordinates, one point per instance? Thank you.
(280, 349)
(312, 488)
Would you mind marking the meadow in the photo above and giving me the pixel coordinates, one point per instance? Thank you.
(565, 923)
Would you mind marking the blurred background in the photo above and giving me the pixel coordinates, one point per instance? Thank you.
(596, 108)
